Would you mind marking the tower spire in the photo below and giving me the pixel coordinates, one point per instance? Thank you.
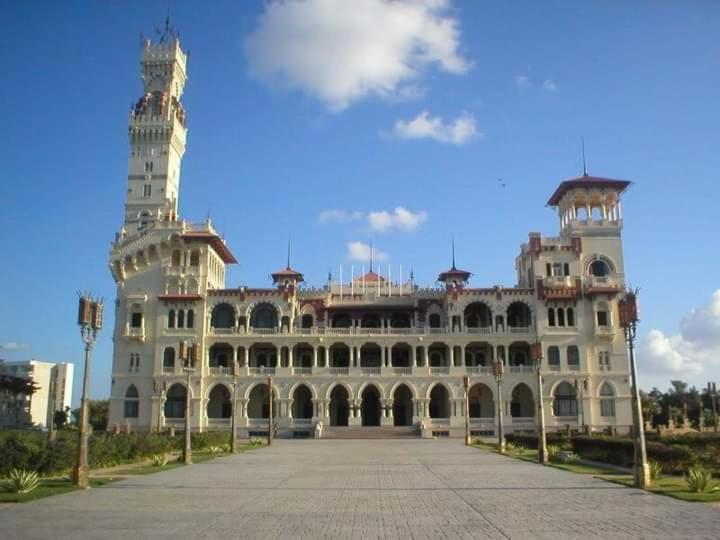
(582, 142)
(288, 252)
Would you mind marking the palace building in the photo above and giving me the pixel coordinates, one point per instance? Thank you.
(367, 356)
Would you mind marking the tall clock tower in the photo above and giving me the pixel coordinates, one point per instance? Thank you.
(157, 135)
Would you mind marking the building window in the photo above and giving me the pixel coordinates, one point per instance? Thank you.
(171, 318)
(565, 400)
(434, 320)
(134, 361)
(554, 357)
(147, 190)
(570, 312)
(557, 269)
(604, 360)
(573, 357)
(190, 321)
(602, 318)
(148, 166)
(566, 269)
(176, 257)
(169, 357)
(607, 401)
(599, 268)
(195, 258)
(181, 318)
(561, 317)
(131, 402)
(136, 320)
(551, 317)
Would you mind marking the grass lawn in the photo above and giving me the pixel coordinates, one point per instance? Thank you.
(47, 488)
(672, 486)
(57, 486)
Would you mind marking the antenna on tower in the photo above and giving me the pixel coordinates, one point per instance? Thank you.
(288, 252)
(582, 142)
(453, 252)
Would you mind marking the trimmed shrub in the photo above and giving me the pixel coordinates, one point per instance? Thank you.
(620, 451)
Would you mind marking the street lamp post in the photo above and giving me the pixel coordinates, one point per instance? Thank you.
(233, 412)
(90, 312)
(580, 390)
(466, 403)
(270, 410)
(628, 310)
(188, 354)
(499, 370)
(537, 351)
(712, 392)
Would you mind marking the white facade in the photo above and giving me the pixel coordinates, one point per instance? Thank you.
(368, 352)
(54, 382)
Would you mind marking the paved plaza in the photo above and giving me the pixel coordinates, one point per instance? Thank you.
(362, 489)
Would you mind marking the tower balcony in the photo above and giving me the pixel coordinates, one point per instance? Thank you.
(135, 332)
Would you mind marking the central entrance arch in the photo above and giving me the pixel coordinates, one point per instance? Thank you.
(402, 406)
(339, 407)
(371, 407)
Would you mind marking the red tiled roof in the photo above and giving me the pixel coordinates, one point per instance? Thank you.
(586, 182)
(370, 277)
(286, 272)
(454, 272)
(215, 241)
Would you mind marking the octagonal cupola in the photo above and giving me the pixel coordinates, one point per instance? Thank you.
(454, 278)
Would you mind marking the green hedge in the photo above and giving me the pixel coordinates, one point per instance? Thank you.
(30, 449)
(620, 451)
(531, 441)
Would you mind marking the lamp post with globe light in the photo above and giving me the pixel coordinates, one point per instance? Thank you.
(537, 354)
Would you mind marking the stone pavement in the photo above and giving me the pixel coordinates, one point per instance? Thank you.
(365, 489)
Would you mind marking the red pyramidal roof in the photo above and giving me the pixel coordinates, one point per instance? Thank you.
(370, 277)
(587, 182)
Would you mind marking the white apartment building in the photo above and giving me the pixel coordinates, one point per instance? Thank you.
(54, 382)
(370, 353)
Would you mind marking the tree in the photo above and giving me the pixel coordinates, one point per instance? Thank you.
(98, 412)
(60, 418)
(650, 406)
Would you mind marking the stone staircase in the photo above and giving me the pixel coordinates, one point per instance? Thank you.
(369, 432)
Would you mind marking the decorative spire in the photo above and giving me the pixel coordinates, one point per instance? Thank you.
(288, 253)
(582, 141)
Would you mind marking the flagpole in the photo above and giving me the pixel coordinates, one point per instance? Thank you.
(363, 280)
(352, 281)
(401, 282)
(341, 281)
(389, 281)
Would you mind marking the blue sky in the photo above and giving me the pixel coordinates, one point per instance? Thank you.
(269, 151)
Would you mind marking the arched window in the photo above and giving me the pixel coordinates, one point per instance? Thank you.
(175, 401)
(565, 402)
(551, 317)
(169, 357)
(264, 316)
(223, 316)
(573, 357)
(554, 357)
(607, 401)
(131, 405)
(478, 315)
(599, 268)
(181, 318)
(176, 257)
(561, 317)
(190, 322)
(570, 312)
(518, 315)
(434, 320)
(171, 318)
(306, 321)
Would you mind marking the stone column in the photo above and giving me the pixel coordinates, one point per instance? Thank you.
(383, 356)
(315, 358)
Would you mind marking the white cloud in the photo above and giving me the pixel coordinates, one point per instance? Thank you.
(693, 351)
(13, 346)
(522, 81)
(550, 85)
(360, 252)
(424, 126)
(400, 219)
(341, 52)
(340, 216)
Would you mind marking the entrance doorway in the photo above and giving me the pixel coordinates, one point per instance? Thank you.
(371, 407)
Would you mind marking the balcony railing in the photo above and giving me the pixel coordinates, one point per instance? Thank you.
(302, 371)
(479, 370)
(370, 370)
(215, 370)
(339, 371)
(359, 331)
(519, 329)
(439, 371)
(522, 369)
(402, 370)
(301, 422)
(135, 332)
(264, 370)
